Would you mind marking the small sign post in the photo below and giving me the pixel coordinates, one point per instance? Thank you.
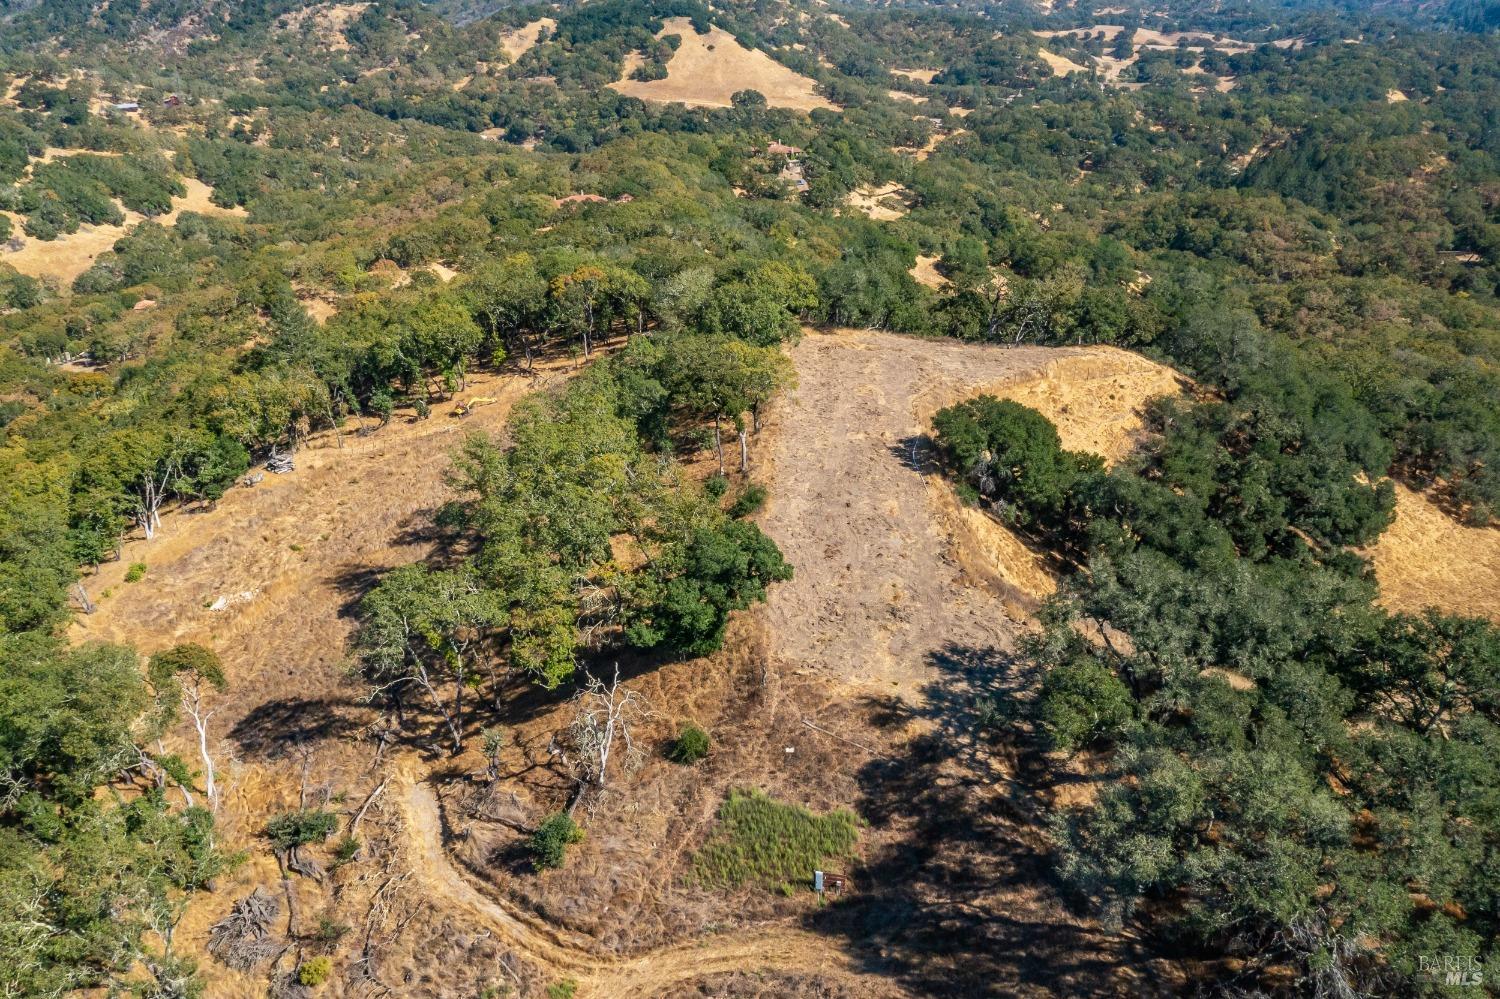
(818, 882)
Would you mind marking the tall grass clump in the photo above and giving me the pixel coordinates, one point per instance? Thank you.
(769, 843)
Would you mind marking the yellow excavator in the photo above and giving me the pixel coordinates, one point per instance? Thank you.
(468, 406)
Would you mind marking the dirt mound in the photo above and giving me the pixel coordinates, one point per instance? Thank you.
(707, 69)
(1428, 559)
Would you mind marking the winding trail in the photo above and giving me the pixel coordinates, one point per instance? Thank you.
(570, 954)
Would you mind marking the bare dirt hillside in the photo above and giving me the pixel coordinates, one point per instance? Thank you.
(522, 40)
(707, 69)
(268, 579)
(955, 894)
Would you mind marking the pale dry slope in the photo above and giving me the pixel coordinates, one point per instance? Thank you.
(284, 561)
(922, 152)
(925, 272)
(707, 69)
(327, 22)
(281, 552)
(886, 203)
(69, 256)
(1428, 559)
(522, 40)
(1095, 398)
(882, 549)
(1060, 65)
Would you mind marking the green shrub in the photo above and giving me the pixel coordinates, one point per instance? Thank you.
(381, 405)
(549, 844)
(346, 849)
(1083, 703)
(748, 502)
(136, 572)
(690, 746)
(307, 825)
(315, 971)
(564, 989)
(329, 931)
(766, 842)
(716, 485)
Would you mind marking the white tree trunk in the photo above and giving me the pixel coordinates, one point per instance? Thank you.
(193, 704)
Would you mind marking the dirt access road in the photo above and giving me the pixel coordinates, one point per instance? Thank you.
(765, 950)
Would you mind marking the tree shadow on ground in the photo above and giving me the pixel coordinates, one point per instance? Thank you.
(918, 453)
(273, 729)
(958, 897)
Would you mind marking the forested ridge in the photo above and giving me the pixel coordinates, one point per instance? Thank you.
(1290, 776)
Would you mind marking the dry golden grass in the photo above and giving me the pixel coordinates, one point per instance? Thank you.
(1060, 65)
(919, 75)
(925, 272)
(1395, 97)
(937, 138)
(327, 22)
(517, 43)
(1428, 559)
(1096, 398)
(883, 204)
(68, 256)
(706, 70)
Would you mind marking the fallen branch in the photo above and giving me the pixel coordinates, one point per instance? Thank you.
(873, 752)
(354, 826)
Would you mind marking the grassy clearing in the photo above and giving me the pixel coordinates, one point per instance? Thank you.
(772, 844)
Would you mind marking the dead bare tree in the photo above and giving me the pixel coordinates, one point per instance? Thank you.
(604, 717)
(192, 703)
(84, 603)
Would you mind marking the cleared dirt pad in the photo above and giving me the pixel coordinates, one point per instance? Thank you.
(880, 546)
(881, 604)
(878, 591)
(707, 69)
